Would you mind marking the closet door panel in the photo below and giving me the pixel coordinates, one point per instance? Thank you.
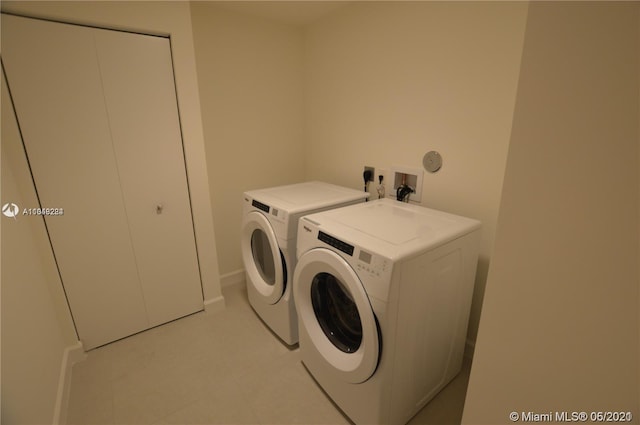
(53, 74)
(139, 89)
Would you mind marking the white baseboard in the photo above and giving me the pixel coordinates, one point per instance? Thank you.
(72, 355)
(233, 278)
(214, 304)
(226, 280)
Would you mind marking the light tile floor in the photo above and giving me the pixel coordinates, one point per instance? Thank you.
(215, 368)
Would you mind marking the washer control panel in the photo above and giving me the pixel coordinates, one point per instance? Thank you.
(336, 243)
(373, 270)
(371, 264)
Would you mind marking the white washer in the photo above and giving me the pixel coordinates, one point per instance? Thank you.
(383, 292)
(268, 243)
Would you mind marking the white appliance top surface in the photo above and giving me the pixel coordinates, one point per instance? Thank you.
(392, 228)
(306, 196)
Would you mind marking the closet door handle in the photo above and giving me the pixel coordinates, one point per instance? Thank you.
(159, 208)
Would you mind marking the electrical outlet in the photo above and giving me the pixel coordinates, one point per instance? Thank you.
(382, 186)
(372, 170)
(383, 174)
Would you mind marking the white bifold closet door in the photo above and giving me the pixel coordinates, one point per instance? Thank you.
(98, 114)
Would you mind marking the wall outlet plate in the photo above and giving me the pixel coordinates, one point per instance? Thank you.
(373, 172)
(411, 176)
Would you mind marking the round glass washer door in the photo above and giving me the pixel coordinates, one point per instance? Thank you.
(334, 309)
(262, 257)
(336, 312)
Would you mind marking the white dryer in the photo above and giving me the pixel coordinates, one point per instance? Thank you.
(383, 292)
(268, 243)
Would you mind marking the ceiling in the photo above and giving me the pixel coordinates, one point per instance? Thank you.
(298, 12)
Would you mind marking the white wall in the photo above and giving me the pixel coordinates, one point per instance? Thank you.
(36, 331)
(559, 327)
(372, 83)
(386, 82)
(250, 78)
(164, 18)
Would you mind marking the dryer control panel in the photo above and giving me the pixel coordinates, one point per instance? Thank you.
(269, 211)
(277, 218)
